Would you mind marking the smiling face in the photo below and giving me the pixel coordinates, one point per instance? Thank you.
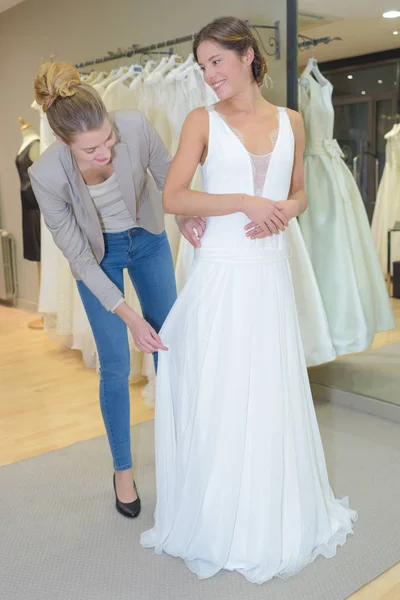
(94, 147)
(225, 70)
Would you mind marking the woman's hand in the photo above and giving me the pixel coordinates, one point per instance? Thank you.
(288, 208)
(145, 337)
(187, 227)
(266, 218)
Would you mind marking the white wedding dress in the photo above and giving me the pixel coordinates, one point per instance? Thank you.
(241, 476)
(337, 233)
(387, 207)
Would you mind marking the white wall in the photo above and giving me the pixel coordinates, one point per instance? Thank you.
(81, 30)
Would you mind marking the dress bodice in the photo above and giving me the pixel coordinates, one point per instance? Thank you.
(230, 169)
(317, 108)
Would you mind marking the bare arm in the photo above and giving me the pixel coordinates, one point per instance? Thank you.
(298, 201)
(178, 199)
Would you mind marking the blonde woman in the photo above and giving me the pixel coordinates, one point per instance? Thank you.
(105, 214)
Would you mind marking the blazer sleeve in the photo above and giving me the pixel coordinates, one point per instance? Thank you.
(61, 222)
(159, 157)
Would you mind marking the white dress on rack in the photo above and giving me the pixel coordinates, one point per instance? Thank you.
(241, 476)
(336, 231)
(387, 207)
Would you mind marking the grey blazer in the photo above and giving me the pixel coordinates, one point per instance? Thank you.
(69, 212)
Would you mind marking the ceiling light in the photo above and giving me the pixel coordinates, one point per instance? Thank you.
(363, 93)
(391, 14)
(395, 33)
(349, 76)
(380, 81)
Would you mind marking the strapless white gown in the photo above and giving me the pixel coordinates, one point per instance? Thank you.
(241, 476)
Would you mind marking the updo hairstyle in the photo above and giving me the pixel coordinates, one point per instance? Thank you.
(71, 106)
(233, 34)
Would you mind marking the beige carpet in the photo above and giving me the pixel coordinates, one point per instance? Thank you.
(375, 374)
(61, 538)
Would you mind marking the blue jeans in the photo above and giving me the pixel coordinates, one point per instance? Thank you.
(149, 262)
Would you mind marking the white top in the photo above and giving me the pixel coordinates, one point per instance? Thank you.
(112, 211)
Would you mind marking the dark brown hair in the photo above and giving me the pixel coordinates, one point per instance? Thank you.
(233, 34)
(71, 106)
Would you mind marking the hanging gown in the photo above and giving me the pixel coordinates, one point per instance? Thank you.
(241, 476)
(337, 234)
(30, 207)
(387, 207)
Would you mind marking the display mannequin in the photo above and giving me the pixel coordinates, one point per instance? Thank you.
(28, 152)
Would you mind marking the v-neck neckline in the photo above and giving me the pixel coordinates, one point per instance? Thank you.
(248, 154)
(233, 129)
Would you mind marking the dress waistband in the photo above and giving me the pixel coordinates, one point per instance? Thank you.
(242, 255)
(326, 146)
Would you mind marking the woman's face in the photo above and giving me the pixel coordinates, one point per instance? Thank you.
(224, 70)
(95, 146)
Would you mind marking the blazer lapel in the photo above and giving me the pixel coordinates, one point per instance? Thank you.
(123, 170)
(84, 208)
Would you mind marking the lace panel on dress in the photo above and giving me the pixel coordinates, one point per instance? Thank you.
(259, 162)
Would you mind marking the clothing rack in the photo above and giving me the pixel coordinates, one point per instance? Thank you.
(273, 41)
(390, 117)
(304, 45)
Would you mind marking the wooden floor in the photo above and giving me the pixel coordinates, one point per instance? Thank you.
(49, 400)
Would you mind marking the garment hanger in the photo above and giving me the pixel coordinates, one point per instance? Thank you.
(109, 77)
(188, 63)
(133, 71)
(160, 65)
(91, 77)
(173, 60)
(148, 67)
(312, 68)
(136, 81)
(99, 78)
(120, 72)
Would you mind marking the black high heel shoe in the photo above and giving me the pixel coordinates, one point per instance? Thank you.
(129, 509)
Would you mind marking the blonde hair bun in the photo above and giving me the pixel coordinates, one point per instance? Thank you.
(55, 80)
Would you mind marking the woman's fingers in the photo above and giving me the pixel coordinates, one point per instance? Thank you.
(282, 218)
(259, 232)
(200, 225)
(157, 340)
(251, 225)
(278, 223)
(272, 227)
(193, 239)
